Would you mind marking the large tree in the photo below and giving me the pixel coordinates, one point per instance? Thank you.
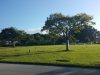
(59, 25)
(11, 35)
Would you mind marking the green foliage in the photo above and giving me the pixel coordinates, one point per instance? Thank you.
(54, 24)
(87, 35)
(11, 36)
(59, 25)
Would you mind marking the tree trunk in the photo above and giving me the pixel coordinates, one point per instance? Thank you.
(54, 42)
(67, 40)
(67, 45)
(14, 43)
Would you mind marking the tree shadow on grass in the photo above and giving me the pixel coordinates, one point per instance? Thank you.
(97, 64)
(15, 55)
(1, 58)
(64, 51)
(51, 52)
(63, 60)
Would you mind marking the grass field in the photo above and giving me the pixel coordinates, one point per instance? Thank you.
(79, 55)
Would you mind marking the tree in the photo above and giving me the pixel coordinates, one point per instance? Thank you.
(97, 37)
(11, 36)
(66, 26)
(87, 35)
(41, 39)
(58, 25)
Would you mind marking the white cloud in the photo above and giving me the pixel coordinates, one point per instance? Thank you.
(34, 30)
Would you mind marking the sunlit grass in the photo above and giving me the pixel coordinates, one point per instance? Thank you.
(79, 55)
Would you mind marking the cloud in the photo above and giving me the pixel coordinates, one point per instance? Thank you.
(34, 30)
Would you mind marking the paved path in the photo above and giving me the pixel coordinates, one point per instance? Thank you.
(16, 69)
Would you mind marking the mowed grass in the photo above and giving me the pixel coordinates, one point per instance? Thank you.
(79, 55)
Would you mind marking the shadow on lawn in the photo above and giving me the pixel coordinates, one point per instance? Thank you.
(97, 64)
(62, 60)
(1, 58)
(51, 52)
(15, 55)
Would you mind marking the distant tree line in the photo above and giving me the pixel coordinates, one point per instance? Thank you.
(57, 25)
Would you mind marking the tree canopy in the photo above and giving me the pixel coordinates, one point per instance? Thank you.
(11, 35)
(58, 24)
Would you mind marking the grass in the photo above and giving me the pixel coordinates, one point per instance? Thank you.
(79, 55)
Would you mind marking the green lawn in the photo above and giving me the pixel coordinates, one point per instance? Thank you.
(79, 55)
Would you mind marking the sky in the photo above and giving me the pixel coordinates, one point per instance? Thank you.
(30, 15)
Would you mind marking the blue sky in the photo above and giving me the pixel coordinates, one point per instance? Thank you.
(30, 15)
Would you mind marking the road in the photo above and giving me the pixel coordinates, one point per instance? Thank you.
(18, 69)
